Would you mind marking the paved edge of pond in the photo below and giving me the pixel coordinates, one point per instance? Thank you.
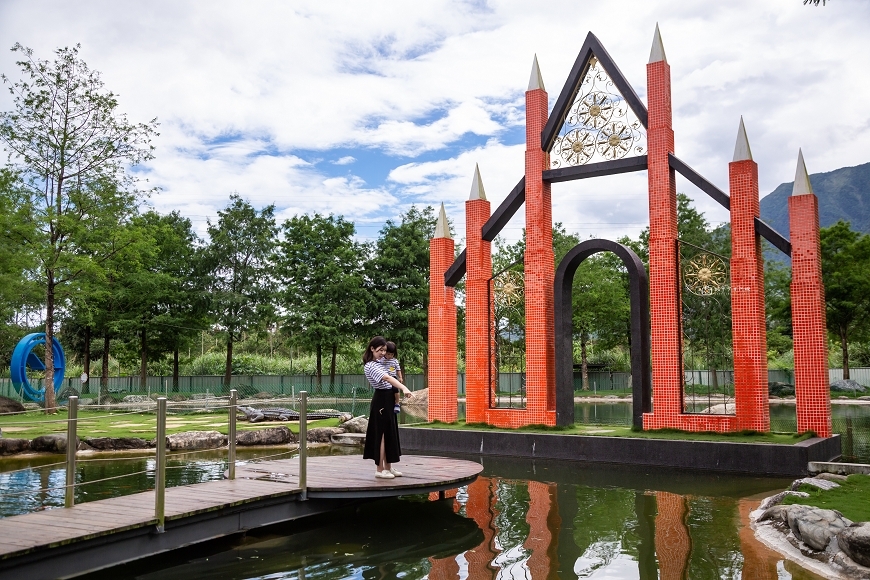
(768, 459)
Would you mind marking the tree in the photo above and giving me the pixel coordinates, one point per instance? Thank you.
(238, 261)
(846, 276)
(70, 144)
(318, 264)
(397, 278)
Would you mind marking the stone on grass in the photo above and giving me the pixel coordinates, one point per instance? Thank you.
(855, 541)
(356, 425)
(777, 498)
(835, 477)
(344, 417)
(267, 436)
(818, 482)
(847, 386)
(814, 526)
(13, 446)
(53, 443)
(323, 434)
(10, 406)
(419, 399)
(778, 389)
(196, 440)
(117, 443)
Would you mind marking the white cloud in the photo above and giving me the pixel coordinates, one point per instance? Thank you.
(346, 160)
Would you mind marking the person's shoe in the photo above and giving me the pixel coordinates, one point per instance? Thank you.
(384, 474)
(395, 472)
(397, 408)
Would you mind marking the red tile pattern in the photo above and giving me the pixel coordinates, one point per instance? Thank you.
(544, 524)
(478, 306)
(748, 324)
(812, 391)
(442, 377)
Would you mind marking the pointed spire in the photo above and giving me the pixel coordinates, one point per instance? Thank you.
(442, 230)
(802, 185)
(536, 81)
(657, 52)
(477, 185)
(742, 152)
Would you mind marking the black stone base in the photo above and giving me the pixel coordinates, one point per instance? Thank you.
(749, 458)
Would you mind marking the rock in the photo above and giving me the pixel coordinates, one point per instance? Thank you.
(847, 386)
(323, 434)
(117, 443)
(775, 513)
(420, 399)
(778, 389)
(54, 443)
(8, 406)
(349, 439)
(815, 482)
(835, 477)
(855, 541)
(13, 446)
(267, 436)
(720, 409)
(814, 526)
(85, 447)
(196, 440)
(777, 499)
(263, 395)
(136, 399)
(864, 398)
(356, 425)
(344, 417)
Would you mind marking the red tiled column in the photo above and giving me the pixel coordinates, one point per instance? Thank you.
(539, 268)
(747, 296)
(665, 331)
(478, 303)
(442, 333)
(808, 313)
(544, 523)
(673, 544)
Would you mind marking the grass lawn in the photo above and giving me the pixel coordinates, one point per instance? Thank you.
(852, 498)
(124, 424)
(616, 431)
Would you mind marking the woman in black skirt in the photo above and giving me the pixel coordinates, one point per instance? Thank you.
(382, 435)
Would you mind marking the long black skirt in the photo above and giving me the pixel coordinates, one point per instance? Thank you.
(383, 423)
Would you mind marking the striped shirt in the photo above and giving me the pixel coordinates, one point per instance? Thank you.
(392, 366)
(375, 373)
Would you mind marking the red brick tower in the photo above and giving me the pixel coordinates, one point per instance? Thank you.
(442, 327)
(812, 389)
(749, 327)
(539, 264)
(478, 306)
(664, 282)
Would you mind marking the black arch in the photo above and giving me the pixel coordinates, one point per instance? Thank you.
(640, 340)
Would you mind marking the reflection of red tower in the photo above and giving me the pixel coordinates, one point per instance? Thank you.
(544, 523)
(442, 327)
(673, 544)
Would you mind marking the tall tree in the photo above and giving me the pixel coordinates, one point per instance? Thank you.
(238, 260)
(318, 264)
(846, 276)
(71, 146)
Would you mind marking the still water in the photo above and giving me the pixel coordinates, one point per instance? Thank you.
(520, 519)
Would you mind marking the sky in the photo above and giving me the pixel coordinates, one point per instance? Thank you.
(363, 109)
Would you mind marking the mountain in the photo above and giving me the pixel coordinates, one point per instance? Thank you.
(844, 194)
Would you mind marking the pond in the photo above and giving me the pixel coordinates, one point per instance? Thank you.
(520, 519)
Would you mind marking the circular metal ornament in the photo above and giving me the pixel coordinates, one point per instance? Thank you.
(594, 110)
(508, 289)
(23, 358)
(577, 147)
(615, 141)
(705, 274)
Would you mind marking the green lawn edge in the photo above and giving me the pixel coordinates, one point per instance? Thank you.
(852, 498)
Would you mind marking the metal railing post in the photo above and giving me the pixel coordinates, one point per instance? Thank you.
(160, 475)
(71, 425)
(303, 443)
(231, 435)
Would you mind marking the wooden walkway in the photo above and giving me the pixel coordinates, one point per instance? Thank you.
(65, 542)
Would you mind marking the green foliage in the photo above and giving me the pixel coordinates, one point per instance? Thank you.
(852, 498)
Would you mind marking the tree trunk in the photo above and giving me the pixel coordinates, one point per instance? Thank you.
(104, 378)
(332, 366)
(87, 361)
(320, 366)
(844, 344)
(228, 369)
(50, 401)
(584, 369)
(143, 361)
(175, 370)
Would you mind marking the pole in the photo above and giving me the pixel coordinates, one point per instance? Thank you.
(231, 434)
(303, 444)
(71, 424)
(160, 475)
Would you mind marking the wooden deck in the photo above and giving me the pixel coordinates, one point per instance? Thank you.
(65, 542)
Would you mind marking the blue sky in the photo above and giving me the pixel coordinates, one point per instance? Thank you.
(364, 108)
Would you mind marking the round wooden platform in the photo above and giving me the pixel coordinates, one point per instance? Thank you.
(351, 476)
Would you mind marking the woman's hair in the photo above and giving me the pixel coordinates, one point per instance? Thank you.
(391, 347)
(373, 343)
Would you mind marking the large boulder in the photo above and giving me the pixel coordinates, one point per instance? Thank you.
(192, 440)
(268, 436)
(9, 406)
(116, 443)
(53, 443)
(814, 526)
(846, 386)
(855, 541)
(819, 482)
(776, 499)
(323, 434)
(13, 446)
(420, 399)
(356, 425)
(778, 389)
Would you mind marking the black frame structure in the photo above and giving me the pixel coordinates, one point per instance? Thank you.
(641, 390)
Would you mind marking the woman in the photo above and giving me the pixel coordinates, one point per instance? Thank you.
(382, 435)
